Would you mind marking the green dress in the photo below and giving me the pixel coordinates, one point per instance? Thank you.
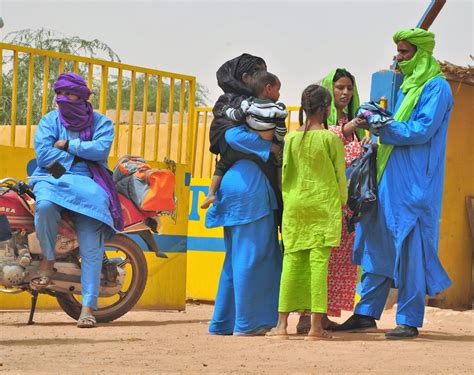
(314, 190)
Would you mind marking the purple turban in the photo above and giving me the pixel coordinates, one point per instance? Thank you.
(75, 115)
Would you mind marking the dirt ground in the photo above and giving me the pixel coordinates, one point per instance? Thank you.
(177, 342)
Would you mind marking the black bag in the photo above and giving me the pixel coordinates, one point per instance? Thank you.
(362, 181)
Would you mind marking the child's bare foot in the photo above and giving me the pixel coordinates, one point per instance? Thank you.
(278, 333)
(207, 202)
(315, 335)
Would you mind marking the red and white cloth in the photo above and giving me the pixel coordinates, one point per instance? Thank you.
(342, 273)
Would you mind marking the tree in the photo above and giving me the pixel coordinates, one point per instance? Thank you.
(52, 40)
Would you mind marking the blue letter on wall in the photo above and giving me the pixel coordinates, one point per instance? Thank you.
(195, 190)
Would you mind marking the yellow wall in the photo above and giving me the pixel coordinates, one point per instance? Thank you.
(456, 243)
(205, 247)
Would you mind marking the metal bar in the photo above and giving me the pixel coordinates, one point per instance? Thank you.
(76, 67)
(144, 114)
(117, 112)
(170, 118)
(14, 98)
(159, 90)
(90, 75)
(104, 79)
(44, 102)
(203, 144)
(61, 66)
(181, 120)
(192, 125)
(131, 112)
(197, 115)
(430, 14)
(29, 98)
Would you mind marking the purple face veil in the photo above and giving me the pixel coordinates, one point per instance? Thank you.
(78, 116)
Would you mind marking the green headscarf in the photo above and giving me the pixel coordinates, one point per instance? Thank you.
(328, 83)
(417, 71)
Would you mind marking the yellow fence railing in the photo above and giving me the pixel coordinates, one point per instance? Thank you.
(203, 160)
(160, 127)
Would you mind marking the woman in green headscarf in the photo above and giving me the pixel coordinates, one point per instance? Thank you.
(345, 101)
(342, 273)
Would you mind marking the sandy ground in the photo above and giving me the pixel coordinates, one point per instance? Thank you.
(177, 342)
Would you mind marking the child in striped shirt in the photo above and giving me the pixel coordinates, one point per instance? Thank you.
(263, 115)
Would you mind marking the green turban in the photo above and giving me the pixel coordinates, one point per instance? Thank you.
(422, 39)
(422, 66)
(417, 72)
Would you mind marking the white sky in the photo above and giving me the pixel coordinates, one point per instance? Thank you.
(301, 41)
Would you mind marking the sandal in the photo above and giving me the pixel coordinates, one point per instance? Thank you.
(42, 280)
(86, 321)
(273, 334)
(324, 335)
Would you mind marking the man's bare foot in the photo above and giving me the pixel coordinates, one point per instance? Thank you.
(207, 202)
(44, 275)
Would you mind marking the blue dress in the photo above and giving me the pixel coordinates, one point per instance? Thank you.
(247, 296)
(398, 241)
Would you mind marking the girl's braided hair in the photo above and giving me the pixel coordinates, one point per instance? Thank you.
(313, 98)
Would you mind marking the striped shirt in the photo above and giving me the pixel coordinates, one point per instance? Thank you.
(260, 115)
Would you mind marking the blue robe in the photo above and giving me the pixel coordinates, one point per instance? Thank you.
(247, 297)
(75, 191)
(398, 240)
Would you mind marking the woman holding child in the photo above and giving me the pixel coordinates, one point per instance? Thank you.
(246, 206)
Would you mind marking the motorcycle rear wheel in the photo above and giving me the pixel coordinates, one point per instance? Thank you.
(137, 261)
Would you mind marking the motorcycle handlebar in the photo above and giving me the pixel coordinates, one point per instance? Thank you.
(18, 185)
(8, 179)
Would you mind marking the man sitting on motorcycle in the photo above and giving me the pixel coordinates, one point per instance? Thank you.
(79, 139)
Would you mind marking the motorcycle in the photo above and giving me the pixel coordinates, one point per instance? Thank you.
(124, 267)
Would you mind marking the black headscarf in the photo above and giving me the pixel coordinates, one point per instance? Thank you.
(229, 79)
(229, 75)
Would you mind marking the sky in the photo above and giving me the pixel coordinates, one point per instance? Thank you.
(301, 41)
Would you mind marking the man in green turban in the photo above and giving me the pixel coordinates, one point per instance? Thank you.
(397, 243)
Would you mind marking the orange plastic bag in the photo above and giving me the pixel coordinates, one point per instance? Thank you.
(151, 189)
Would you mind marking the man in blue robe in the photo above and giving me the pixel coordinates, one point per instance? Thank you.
(397, 243)
(79, 139)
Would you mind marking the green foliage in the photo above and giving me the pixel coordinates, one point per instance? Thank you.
(52, 40)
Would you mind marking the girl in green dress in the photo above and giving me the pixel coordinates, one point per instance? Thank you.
(314, 190)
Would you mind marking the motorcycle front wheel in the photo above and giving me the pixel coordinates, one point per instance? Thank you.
(111, 308)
